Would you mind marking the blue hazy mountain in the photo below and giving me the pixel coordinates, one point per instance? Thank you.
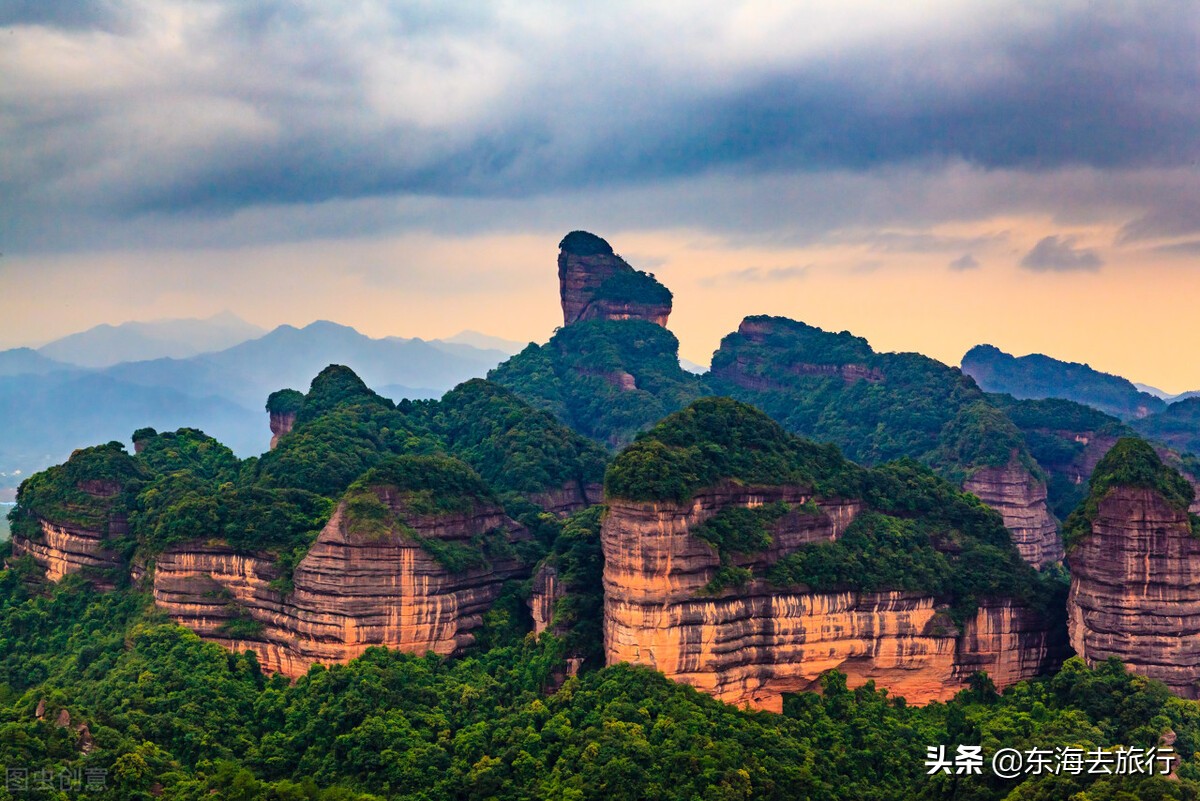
(106, 345)
(24, 361)
(1037, 376)
(49, 409)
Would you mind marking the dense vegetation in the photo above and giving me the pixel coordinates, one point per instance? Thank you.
(185, 485)
(633, 286)
(173, 717)
(578, 561)
(1038, 376)
(1057, 433)
(285, 401)
(887, 406)
(1131, 463)
(89, 491)
(577, 377)
(515, 448)
(583, 243)
(924, 534)
(717, 439)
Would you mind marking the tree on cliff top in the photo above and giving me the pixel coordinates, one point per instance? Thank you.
(1130, 464)
(515, 447)
(583, 243)
(578, 377)
(717, 439)
(285, 401)
(85, 491)
(634, 287)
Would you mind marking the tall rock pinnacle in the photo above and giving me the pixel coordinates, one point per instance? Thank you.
(597, 284)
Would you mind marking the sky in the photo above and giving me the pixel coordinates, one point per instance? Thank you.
(930, 175)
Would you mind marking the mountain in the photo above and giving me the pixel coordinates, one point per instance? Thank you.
(106, 345)
(457, 612)
(613, 369)
(49, 414)
(1178, 425)
(1155, 391)
(1037, 376)
(24, 361)
(486, 342)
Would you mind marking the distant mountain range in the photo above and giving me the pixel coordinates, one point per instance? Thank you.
(106, 345)
(1172, 419)
(51, 405)
(1037, 376)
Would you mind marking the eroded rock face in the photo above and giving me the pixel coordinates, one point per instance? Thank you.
(569, 498)
(1135, 590)
(63, 550)
(546, 592)
(281, 423)
(749, 645)
(581, 276)
(351, 592)
(1020, 498)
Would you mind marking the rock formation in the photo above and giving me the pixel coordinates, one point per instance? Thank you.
(1020, 498)
(283, 405)
(281, 423)
(811, 380)
(1135, 589)
(353, 590)
(64, 549)
(546, 592)
(571, 497)
(751, 644)
(597, 284)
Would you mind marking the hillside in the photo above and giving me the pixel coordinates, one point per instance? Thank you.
(1178, 425)
(1037, 376)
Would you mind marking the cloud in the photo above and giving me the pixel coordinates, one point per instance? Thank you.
(923, 242)
(758, 275)
(964, 262)
(1169, 219)
(1052, 254)
(1186, 248)
(211, 109)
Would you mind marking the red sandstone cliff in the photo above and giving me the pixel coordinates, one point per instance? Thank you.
(751, 644)
(281, 423)
(351, 591)
(582, 272)
(64, 549)
(1020, 498)
(1135, 590)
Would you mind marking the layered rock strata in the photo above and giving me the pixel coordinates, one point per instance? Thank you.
(1020, 498)
(581, 276)
(351, 592)
(1135, 589)
(569, 498)
(64, 549)
(749, 645)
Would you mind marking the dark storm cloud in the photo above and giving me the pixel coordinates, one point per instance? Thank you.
(1055, 254)
(273, 103)
(1115, 90)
